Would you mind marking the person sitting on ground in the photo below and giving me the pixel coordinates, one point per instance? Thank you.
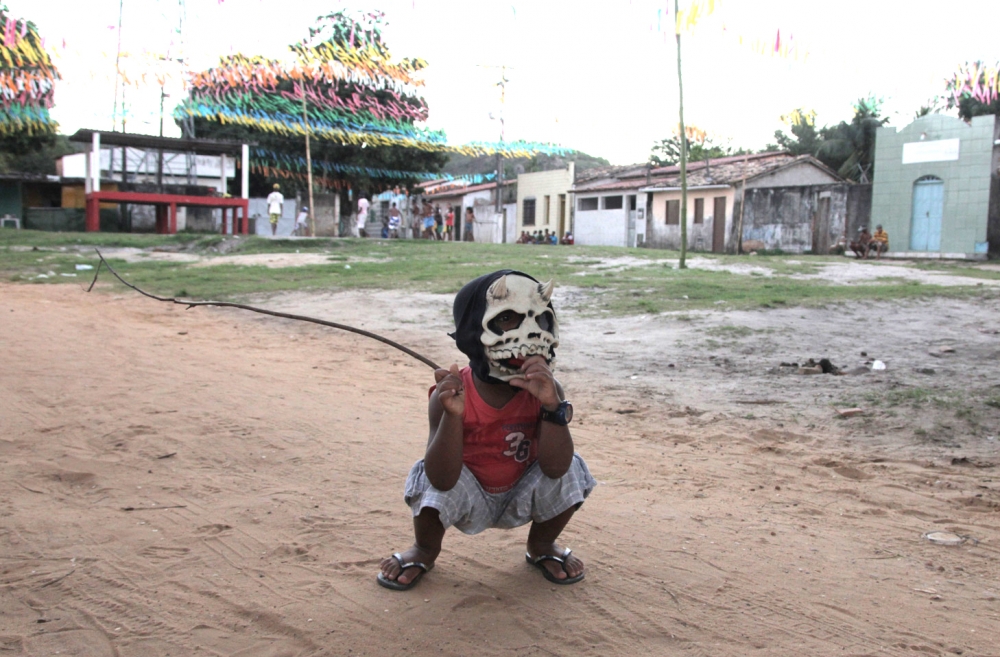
(879, 242)
(860, 245)
(499, 454)
(567, 239)
(275, 205)
(552, 239)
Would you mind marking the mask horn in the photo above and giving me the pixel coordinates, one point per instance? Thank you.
(546, 290)
(499, 289)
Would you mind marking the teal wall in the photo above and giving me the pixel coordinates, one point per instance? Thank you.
(966, 181)
(10, 198)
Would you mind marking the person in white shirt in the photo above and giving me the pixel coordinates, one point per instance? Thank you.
(275, 203)
(362, 216)
(302, 223)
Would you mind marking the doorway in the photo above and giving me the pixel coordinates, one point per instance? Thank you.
(719, 225)
(928, 208)
(630, 209)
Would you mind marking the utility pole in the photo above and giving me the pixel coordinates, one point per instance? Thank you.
(118, 71)
(684, 189)
(503, 93)
(499, 198)
(309, 166)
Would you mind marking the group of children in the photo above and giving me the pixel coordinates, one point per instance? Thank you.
(538, 237)
(437, 226)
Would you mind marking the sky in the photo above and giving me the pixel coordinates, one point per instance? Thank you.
(594, 76)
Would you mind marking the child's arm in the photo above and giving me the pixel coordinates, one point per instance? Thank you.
(555, 444)
(443, 459)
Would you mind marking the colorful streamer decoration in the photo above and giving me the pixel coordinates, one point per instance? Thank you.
(27, 79)
(977, 81)
(296, 163)
(688, 17)
(345, 88)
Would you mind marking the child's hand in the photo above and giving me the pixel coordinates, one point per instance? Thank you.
(536, 378)
(450, 390)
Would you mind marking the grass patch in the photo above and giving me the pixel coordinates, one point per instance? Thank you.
(958, 269)
(636, 286)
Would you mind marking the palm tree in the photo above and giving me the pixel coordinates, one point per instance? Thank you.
(850, 147)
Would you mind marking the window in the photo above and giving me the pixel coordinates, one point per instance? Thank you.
(545, 211)
(699, 210)
(529, 212)
(674, 213)
(612, 202)
(586, 204)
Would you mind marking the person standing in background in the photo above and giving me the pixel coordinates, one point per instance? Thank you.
(438, 224)
(470, 219)
(395, 218)
(362, 216)
(449, 224)
(275, 204)
(302, 223)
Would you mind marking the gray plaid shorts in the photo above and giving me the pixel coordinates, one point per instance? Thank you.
(470, 509)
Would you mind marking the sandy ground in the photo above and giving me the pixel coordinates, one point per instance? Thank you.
(184, 482)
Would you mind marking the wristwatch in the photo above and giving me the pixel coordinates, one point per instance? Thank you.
(561, 416)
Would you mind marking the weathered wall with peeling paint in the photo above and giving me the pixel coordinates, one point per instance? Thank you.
(805, 219)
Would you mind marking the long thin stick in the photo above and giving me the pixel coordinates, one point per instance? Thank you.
(226, 304)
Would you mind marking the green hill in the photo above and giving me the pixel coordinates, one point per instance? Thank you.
(465, 164)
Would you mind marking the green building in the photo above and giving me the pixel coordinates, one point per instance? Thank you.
(936, 190)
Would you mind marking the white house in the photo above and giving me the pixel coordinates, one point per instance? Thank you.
(639, 205)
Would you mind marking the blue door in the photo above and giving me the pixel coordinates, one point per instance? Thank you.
(928, 204)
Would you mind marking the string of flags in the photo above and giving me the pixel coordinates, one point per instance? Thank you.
(27, 79)
(977, 81)
(274, 160)
(346, 88)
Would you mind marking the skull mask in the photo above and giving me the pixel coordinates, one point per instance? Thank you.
(518, 322)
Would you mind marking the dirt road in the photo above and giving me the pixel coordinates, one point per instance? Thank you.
(178, 482)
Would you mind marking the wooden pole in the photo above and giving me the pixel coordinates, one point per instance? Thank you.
(309, 166)
(743, 203)
(680, 103)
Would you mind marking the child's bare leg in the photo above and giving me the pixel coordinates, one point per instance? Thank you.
(428, 532)
(542, 540)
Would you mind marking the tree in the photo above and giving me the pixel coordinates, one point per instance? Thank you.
(805, 138)
(38, 156)
(700, 146)
(850, 147)
(359, 106)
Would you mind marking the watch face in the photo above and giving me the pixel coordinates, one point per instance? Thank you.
(567, 411)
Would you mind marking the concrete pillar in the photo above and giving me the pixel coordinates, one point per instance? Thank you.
(245, 173)
(95, 164)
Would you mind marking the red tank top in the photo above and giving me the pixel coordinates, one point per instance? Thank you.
(499, 443)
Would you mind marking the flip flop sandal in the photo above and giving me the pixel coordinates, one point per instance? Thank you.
(537, 563)
(397, 586)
